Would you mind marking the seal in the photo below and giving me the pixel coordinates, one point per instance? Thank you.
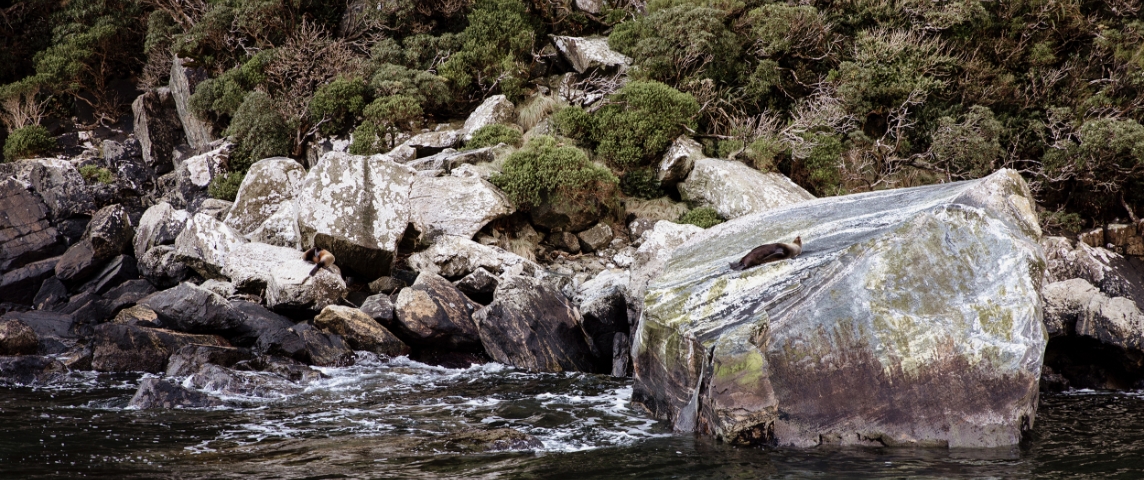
(771, 252)
(320, 257)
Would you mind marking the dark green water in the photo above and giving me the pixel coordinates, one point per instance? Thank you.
(389, 420)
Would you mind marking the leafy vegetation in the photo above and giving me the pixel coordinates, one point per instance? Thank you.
(544, 171)
(703, 217)
(95, 173)
(490, 135)
(225, 186)
(28, 142)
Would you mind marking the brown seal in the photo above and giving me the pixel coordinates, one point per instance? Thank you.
(771, 252)
(321, 257)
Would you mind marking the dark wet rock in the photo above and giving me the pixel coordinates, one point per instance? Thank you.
(562, 218)
(25, 233)
(308, 345)
(255, 322)
(604, 310)
(120, 269)
(912, 317)
(360, 331)
(287, 368)
(1052, 381)
(158, 128)
(191, 308)
(162, 267)
(21, 284)
(228, 381)
(55, 332)
(159, 393)
(379, 308)
(621, 355)
(433, 312)
(386, 285)
(115, 152)
(87, 308)
(566, 241)
(595, 238)
(78, 263)
(78, 358)
(479, 285)
(30, 370)
(126, 294)
(52, 294)
(110, 232)
(130, 348)
(495, 440)
(190, 358)
(531, 326)
(17, 338)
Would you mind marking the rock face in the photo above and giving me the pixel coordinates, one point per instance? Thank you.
(604, 308)
(127, 348)
(679, 160)
(455, 206)
(434, 313)
(158, 128)
(61, 186)
(183, 83)
(455, 257)
(912, 317)
(1097, 341)
(360, 331)
(160, 225)
(1109, 271)
(586, 53)
(734, 189)
(495, 109)
(268, 185)
(356, 207)
(533, 327)
(25, 234)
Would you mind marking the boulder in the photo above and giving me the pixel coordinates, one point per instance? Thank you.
(120, 269)
(1112, 273)
(160, 225)
(428, 143)
(455, 257)
(21, 284)
(158, 128)
(110, 232)
(116, 153)
(308, 345)
(88, 308)
(595, 238)
(233, 382)
(1096, 339)
(158, 393)
(479, 285)
(55, 331)
(51, 295)
(912, 317)
(680, 158)
(533, 327)
(734, 189)
(126, 295)
(455, 206)
(379, 308)
(78, 263)
(291, 286)
(357, 208)
(495, 109)
(25, 233)
(604, 312)
(656, 247)
(267, 186)
(161, 266)
(448, 159)
(122, 347)
(61, 186)
(1093, 238)
(193, 309)
(566, 241)
(434, 313)
(184, 80)
(587, 53)
(190, 358)
(387, 285)
(255, 323)
(214, 208)
(30, 370)
(360, 330)
(17, 338)
(280, 229)
(193, 175)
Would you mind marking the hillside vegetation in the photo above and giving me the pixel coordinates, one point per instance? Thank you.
(841, 96)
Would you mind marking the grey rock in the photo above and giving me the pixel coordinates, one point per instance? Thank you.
(159, 225)
(533, 327)
(566, 241)
(604, 311)
(455, 257)
(1109, 271)
(429, 143)
(379, 308)
(159, 393)
(120, 347)
(25, 233)
(110, 232)
(455, 206)
(193, 309)
(61, 186)
(162, 267)
(30, 370)
(938, 340)
(386, 285)
(479, 285)
(215, 208)
(560, 217)
(158, 128)
(184, 80)
(360, 330)
(17, 338)
(268, 185)
(448, 159)
(280, 229)
(20, 285)
(734, 189)
(256, 325)
(495, 109)
(586, 53)
(78, 263)
(434, 313)
(120, 269)
(189, 359)
(308, 345)
(52, 294)
(677, 163)
(595, 238)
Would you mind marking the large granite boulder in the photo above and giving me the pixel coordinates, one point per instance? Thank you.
(677, 163)
(160, 225)
(495, 109)
(158, 128)
(455, 206)
(110, 232)
(25, 233)
(434, 313)
(585, 53)
(533, 327)
(360, 331)
(280, 229)
(61, 186)
(184, 80)
(269, 184)
(455, 257)
(912, 317)
(734, 189)
(356, 207)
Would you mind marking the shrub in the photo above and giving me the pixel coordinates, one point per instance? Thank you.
(544, 171)
(680, 42)
(641, 183)
(339, 103)
(496, 45)
(96, 173)
(1103, 158)
(258, 131)
(225, 186)
(889, 67)
(427, 89)
(703, 217)
(824, 164)
(494, 134)
(384, 119)
(970, 148)
(28, 142)
(222, 96)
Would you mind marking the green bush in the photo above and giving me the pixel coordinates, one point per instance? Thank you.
(258, 131)
(544, 171)
(680, 42)
(970, 148)
(428, 90)
(889, 67)
(225, 186)
(494, 134)
(339, 103)
(496, 46)
(221, 97)
(641, 183)
(95, 173)
(384, 119)
(1102, 158)
(824, 163)
(28, 142)
(703, 217)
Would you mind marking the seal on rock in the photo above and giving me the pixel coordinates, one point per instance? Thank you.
(771, 252)
(318, 256)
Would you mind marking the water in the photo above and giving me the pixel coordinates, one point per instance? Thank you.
(394, 418)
